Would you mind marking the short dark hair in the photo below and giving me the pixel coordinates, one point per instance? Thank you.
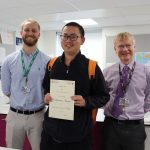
(74, 24)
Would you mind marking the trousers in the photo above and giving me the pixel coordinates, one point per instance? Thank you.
(20, 125)
(123, 135)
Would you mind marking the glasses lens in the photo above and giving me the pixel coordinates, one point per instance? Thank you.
(71, 37)
(125, 46)
(64, 37)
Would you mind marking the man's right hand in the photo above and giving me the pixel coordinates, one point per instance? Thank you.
(47, 98)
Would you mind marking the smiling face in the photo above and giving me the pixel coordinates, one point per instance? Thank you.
(124, 46)
(71, 40)
(30, 33)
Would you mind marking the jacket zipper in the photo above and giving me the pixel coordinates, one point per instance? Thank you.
(67, 70)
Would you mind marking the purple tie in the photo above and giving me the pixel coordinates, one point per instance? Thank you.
(117, 109)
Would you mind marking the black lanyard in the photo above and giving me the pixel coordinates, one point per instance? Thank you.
(123, 86)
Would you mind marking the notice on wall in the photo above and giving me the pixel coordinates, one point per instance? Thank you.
(7, 37)
(143, 58)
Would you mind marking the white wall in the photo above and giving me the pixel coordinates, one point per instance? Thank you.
(47, 42)
(92, 48)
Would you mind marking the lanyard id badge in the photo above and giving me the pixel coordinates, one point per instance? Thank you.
(124, 102)
(26, 89)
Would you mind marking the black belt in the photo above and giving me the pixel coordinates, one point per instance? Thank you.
(124, 121)
(25, 112)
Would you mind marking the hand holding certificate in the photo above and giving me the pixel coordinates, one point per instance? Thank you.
(62, 107)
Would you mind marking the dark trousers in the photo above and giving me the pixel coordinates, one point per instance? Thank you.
(123, 135)
(48, 143)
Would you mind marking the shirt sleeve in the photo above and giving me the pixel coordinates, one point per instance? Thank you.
(147, 91)
(6, 77)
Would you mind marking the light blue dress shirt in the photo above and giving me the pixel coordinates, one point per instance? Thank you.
(138, 91)
(13, 81)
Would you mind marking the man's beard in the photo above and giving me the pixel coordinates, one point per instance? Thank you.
(30, 43)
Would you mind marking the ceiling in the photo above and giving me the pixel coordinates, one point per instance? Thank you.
(52, 13)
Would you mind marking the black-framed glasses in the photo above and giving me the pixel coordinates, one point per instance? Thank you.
(71, 37)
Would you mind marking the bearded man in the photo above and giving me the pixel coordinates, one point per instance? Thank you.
(21, 76)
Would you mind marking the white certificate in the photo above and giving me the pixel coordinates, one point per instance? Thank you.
(62, 106)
